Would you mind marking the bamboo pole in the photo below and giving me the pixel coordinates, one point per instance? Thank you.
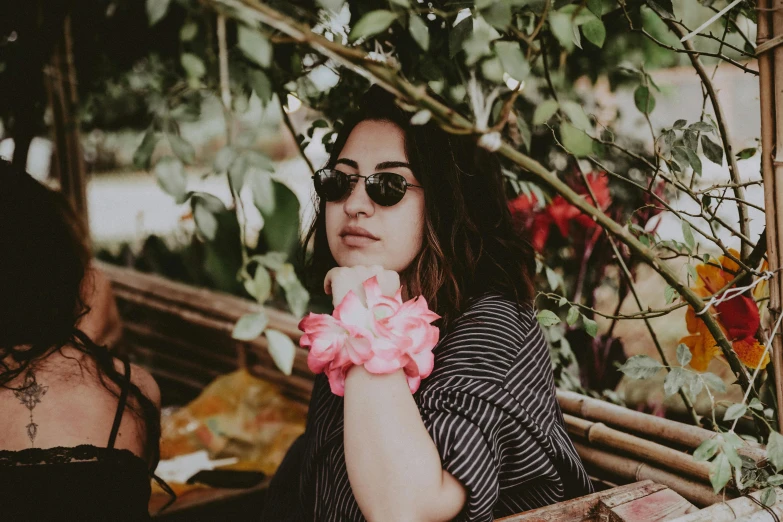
(731, 510)
(633, 470)
(61, 87)
(601, 435)
(649, 426)
(772, 170)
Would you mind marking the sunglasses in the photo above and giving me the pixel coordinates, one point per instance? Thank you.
(384, 188)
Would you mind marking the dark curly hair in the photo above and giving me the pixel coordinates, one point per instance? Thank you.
(470, 243)
(43, 261)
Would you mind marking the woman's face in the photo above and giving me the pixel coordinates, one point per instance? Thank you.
(360, 231)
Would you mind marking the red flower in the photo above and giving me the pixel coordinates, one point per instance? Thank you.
(560, 212)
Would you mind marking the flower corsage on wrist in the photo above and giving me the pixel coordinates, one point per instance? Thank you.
(384, 335)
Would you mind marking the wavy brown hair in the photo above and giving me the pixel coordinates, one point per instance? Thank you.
(470, 245)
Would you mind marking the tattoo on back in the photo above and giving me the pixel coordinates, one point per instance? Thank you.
(30, 394)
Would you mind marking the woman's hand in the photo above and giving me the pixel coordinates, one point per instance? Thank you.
(342, 279)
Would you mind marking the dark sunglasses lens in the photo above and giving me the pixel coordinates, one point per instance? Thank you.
(386, 188)
(331, 185)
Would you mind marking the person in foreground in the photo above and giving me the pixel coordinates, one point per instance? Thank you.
(79, 428)
(410, 420)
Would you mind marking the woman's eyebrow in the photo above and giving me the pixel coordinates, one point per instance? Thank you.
(380, 166)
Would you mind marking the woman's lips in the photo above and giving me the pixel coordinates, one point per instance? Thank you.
(353, 240)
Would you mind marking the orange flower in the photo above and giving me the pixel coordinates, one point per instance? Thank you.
(738, 318)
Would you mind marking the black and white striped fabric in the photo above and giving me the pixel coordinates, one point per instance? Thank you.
(491, 410)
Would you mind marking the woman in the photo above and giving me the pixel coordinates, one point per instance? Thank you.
(483, 435)
(80, 428)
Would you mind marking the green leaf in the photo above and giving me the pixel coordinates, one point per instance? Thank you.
(552, 278)
(701, 126)
(459, 34)
(695, 385)
(560, 24)
(670, 293)
(372, 23)
(419, 31)
(687, 234)
(282, 350)
(640, 367)
(775, 480)
(679, 124)
(188, 31)
(547, 318)
(573, 316)
(711, 150)
(596, 7)
(591, 327)
(544, 111)
(595, 32)
(684, 355)
(171, 178)
(576, 114)
(156, 10)
(193, 65)
(575, 141)
(692, 272)
(524, 131)
(674, 381)
(401, 3)
(714, 382)
(498, 15)
(143, 155)
(262, 188)
(691, 139)
(562, 301)
(260, 287)
(261, 85)
(513, 60)
(720, 472)
(755, 404)
(281, 226)
(223, 159)
(296, 295)
(254, 45)
(421, 117)
(706, 449)
(644, 99)
(769, 497)
(332, 5)
(271, 260)
(694, 160)
(735, 411)
(250, 326)
(746, 153)
(775, 450)
(182, 148)
(205, 207)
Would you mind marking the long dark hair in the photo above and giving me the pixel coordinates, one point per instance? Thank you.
(470, 243)
(43, 262)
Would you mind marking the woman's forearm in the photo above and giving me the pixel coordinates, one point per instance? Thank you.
(393, 466)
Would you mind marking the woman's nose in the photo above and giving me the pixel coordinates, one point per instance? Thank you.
(358, 202)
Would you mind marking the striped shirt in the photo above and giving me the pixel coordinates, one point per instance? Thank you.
(489, 406)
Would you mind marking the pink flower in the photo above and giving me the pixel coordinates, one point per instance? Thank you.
(385, 335)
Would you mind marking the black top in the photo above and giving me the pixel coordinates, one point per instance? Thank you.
(490, 408)
(85, 483)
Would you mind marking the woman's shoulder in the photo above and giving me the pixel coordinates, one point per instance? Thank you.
(484, 342)
(142, 379)
(498, 311)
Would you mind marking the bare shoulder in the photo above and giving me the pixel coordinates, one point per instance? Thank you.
(143, 380)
